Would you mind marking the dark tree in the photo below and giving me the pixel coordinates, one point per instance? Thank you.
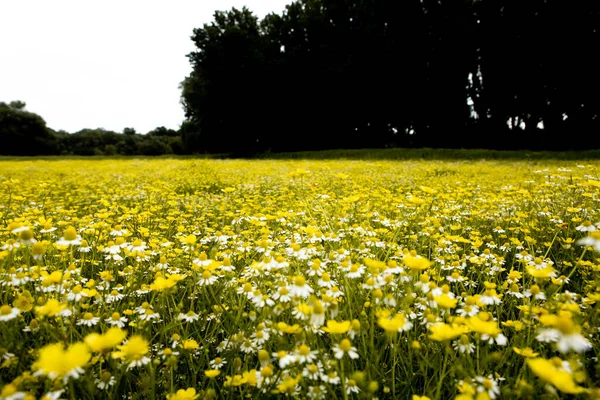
(163, 132)
(24, 133)
(374, 73)
(222, 94)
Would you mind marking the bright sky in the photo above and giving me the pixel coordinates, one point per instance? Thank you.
(104, 64)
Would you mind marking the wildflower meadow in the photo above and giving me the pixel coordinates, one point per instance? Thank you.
(229, 279)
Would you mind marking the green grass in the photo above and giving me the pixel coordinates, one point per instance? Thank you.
(359, 154)
(433, 154)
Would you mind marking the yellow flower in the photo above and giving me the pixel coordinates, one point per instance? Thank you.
(563, 322)
(212, 373)
(23, 302)
(445, 301)
(518, 325)
(393, 325)
(38, 249)
(175, 277)
(478, 325)
(250, 377)
(300, 172)
(89, 292)
(187, 394)
(291, 329)
(160, 283)
(374, 264)
(56, 362)
(237, 380)
(70, 233)
(101, 343)
(592, 182)
(389, 325)
(334, 327)
(190, 240)
(51, 308)
(526, 352)
(134, 351)
(546, 272)
(441, 332)
(288, 385)
(417, 263)
(190, 344)
(549, 371)
(514, 275)
(427, 190)
(8, 390)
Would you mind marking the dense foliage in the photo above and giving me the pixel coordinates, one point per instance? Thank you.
(501, 74)
(187, 279)
(24, 133)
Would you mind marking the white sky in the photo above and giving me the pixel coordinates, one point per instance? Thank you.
(104, 64)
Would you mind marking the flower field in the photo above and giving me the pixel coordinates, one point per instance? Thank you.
(184, 279)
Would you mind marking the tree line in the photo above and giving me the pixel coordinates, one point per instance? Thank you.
(23, 133)
(498, 74)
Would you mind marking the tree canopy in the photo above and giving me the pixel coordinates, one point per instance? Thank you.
(24, 133)
(373, 73)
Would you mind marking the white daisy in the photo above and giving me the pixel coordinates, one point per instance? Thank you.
(344, 347)
(7, 313)
(116, 320)
(217, 363)
(300, 288)
(190, 316)
(207, 278)
(282, 294)
(88, 320)
(331, 377)
(488, 385)
(305, 355)
(138, 363)
(284, 358)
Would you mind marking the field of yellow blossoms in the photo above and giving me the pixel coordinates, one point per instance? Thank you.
(201, 279)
